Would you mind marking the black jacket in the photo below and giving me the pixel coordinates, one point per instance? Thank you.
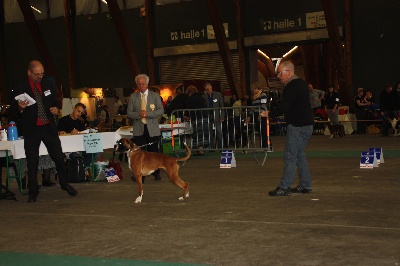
(197, 101)
(28, 118)
(295, 104)
(389, 100)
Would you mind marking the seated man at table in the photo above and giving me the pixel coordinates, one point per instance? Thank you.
(73, 124)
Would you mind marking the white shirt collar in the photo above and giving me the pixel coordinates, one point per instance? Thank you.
(145, 93)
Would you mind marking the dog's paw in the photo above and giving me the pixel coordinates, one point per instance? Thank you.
(187, 195)
(138, 199)
(181, 198)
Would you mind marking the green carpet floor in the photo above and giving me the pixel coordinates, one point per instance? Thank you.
(27, 259)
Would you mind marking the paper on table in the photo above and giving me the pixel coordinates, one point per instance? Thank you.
(25, 97)
(84, 131)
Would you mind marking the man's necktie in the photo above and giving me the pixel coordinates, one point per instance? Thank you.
(143, 107)
(41, 112)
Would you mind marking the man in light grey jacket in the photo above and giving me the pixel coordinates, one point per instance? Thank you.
(145, 109)
(316, 96)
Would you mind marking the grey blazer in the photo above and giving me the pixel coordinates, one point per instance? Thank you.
(218, 101)
(154, 109)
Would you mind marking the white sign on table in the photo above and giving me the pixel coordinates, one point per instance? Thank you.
(93, 143)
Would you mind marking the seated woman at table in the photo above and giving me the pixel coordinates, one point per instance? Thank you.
(73, 124)
(46, 168)
(198, 119)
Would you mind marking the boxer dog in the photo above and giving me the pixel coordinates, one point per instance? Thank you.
(143, 163)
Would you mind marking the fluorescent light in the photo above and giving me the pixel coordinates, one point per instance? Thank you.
(37, 10)
(261, 52)
(104, 1)
(291, 50)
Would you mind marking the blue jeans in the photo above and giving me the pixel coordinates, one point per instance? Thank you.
(295, 156)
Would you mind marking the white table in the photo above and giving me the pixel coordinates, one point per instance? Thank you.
(69, 143)
(348, 121)
(349, 124)
(166, 130)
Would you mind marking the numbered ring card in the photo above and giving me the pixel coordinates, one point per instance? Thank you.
(227, 159)
(368, 160)
(378, 154)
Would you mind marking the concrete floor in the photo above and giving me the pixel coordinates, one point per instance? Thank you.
(351, 218)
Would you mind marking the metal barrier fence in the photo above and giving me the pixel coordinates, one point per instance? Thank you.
(213, 129)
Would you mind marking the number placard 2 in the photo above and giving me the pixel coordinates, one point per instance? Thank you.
(368, 160)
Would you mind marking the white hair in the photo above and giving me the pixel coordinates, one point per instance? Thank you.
(142, 76)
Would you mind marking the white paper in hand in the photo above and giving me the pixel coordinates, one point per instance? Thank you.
(25, 97)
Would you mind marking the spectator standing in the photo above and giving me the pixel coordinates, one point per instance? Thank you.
(389, 105)
(232, 100)
(169, 100)
(179, 102)
(332, 102)
(105, 115)
(198, 119)
(296, 107)
(117, 105)
(260, 102)
(96, 121)
(39, 125)
(215, 100)
(145, 108)
(316, 96)
(359, 109)
(397, 87)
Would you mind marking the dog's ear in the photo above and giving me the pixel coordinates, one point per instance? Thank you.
(134, 146)
(130, 144)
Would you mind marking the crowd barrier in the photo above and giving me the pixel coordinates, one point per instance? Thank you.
(215, 129)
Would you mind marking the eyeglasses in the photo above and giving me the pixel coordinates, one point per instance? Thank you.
(280, 73)
(38, 74)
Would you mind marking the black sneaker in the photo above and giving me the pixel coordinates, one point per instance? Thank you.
(280, 192)
(299, 189)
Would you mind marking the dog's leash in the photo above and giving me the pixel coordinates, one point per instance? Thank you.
(148, 144)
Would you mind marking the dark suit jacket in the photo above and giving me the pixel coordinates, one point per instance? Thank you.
(27, 119)
(218, 101)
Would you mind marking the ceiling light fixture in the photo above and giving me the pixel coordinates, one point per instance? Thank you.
(37, 10)
(290, 51)
(263, 53)
(104, 1)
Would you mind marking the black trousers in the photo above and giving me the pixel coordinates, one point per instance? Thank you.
(146, 139)
(53, 144)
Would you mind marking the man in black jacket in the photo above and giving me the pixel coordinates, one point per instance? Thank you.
(296, 108)
(39, 125)
(389, 103)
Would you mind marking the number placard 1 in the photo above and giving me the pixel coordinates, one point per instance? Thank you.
(227, 159)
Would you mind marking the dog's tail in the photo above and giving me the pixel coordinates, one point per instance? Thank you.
(189, 152)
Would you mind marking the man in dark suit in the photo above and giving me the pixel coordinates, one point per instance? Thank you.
(215, 100)
(39, 125)
(145, 108)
